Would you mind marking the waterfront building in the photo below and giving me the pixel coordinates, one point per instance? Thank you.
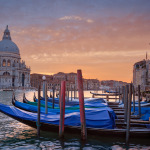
(141, 75)
(91, 84)
(36, 79)
(112, 84)
(70, 78)
(13, 72)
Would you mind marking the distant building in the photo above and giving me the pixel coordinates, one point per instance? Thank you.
(70, 78)
(59, 76)
(112, 84)
(37, 78)
(91, 84)
(141, 75)
(13, 72)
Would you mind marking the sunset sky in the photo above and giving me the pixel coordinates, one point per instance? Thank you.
(104, 38)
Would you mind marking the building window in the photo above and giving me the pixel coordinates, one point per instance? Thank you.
(4, 63)
(8, 63)
(14, 63)
(6, 74)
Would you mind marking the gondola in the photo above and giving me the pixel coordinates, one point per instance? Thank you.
(96, 119)
(111, 91)
(56, 100)
(33, 107)
(109, 94)
(89, 103)
(52, 124)
(142, 104)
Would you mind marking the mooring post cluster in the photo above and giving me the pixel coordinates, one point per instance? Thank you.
(127, 94)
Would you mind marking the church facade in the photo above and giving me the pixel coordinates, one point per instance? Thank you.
(13, 72)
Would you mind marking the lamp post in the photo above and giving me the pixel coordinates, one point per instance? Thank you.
(53, 100)
(45, 93)
(71, 90)
(44, 83)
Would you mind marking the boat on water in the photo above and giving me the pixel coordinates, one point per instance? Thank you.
(110, 91)
(142, 104)
(94, 118)
(94, 122)
(32, 107)
(69, 109)
(105, 94)
(145, 112)
(94, 103)
(7, 90)
(74, 102)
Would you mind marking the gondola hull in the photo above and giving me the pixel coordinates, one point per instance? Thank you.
(135, 132)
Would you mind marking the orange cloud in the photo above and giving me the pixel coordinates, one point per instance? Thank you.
(103, 48)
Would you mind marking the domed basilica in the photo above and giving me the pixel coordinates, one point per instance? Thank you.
(13, 72)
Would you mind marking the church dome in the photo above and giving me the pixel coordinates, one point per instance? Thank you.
(6, 45)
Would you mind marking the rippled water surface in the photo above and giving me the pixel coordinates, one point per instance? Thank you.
(15, 135)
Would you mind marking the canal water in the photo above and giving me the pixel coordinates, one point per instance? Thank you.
(15, 135)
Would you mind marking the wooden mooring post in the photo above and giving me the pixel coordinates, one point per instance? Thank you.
(129, 114)
(119, 94)
(139, 99)
(126, 102)
(81, 103)
(39, 111)
(44, 82)
(71, 92)
(53, 100)
(46, 100)
(74, 91)
(62, 109)
(34, 96)
(123, 92)
(107, 97)
(116, 95)
(59, 93)
(68, 93)
(133, 91)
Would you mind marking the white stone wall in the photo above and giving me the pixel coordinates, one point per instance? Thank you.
(16, 69)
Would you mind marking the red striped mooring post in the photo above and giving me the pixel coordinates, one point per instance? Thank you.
(62, 109)
(81, 103)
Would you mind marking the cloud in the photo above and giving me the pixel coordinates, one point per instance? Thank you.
(84, 34)
(77, 18)
(89, 20)
(71, 18)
